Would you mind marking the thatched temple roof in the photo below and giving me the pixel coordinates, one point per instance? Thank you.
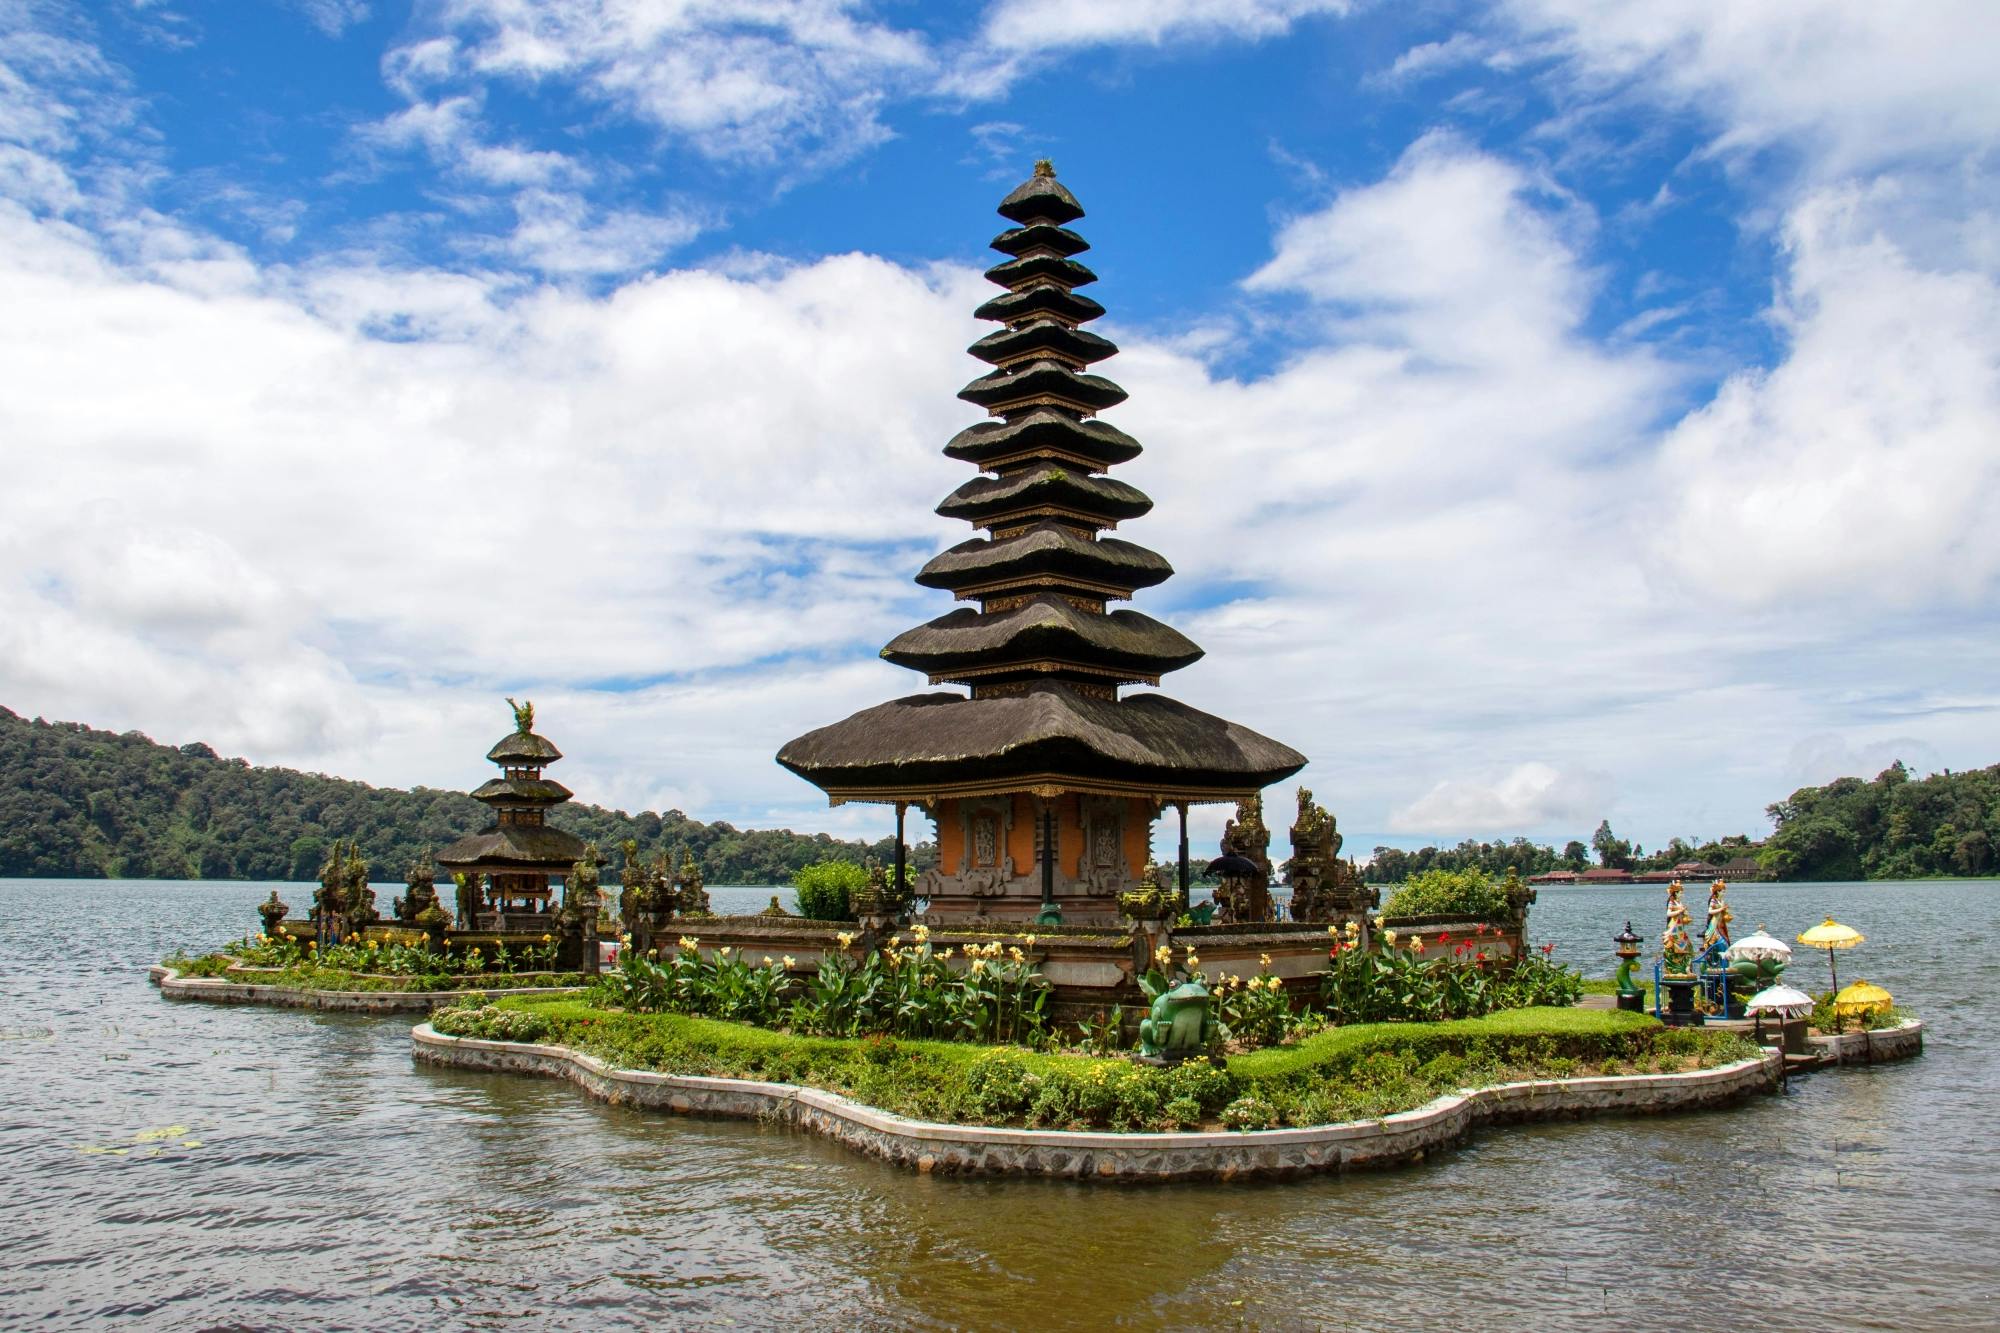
(526, 847)
(1044, 654)
(948, 744)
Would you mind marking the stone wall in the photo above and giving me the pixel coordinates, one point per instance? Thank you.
(929, 1147)
(216, 990)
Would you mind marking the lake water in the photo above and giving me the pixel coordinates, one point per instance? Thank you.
(333, 1183)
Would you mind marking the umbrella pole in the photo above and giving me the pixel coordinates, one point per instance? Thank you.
(1834, 972)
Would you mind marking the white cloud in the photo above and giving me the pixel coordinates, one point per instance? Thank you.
(1855, 86)
(1038, 25)
(1531, 796)
(740, 80)
(1861, 467)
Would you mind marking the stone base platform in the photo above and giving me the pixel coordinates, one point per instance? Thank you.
(216, 990)
(929, 1147)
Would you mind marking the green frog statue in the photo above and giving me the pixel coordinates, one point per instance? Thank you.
(1179, 1025)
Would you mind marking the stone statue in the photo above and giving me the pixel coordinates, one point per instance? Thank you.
(578, 918)
(524, 716)
(1246, 897)
(421, 898)
(1178, 1024)
(467, 898)
(690, 896)
(274, 912)
(1519, 896)
(1315, 851)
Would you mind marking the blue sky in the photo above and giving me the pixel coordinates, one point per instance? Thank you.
(1555, 411)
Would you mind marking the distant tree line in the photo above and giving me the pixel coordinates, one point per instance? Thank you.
(81, 803)
(1895, 827)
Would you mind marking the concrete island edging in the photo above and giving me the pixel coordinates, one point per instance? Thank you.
(215, 990)
(1872, 1047)
(929, 1147)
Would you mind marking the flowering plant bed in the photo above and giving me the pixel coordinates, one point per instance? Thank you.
(1337, 1075)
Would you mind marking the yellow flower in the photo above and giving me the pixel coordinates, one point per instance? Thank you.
(1014, 952)
(768, 960)
(1029, 940)
(1334, 929)
(947, 953)
(547, 938)
(846, 938)
(1264, 960)
(790, 962)
(723, 952)
(895, 940)
(921, 932)
(1192, 961)
(978, 966)
(1389, 938)
(1163, 955)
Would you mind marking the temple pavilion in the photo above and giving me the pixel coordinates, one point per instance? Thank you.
(508, 865)
(1046, 775)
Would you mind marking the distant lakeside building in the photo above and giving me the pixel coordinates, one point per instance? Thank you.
(1737, 870)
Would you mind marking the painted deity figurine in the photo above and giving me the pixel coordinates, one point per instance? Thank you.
(1719, 917)
(1676, 948)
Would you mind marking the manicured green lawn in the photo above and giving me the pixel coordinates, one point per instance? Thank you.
(1338, 1074)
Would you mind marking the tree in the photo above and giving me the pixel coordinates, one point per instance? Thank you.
(1576, 856)
(1613, 852)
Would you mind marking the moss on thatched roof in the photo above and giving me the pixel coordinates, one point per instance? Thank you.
(523, 749)
(1045, 484)
(945, 738)
(1044, 428)
(1017, 273)
(527, 791)
(532, 847)
(1047, 549)
(1046, 337)
(1017, 307)
(1041, 198)
(1040, 236)
(1046, 629)
(1001, 389)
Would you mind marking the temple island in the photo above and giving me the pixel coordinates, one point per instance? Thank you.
(1045, 756)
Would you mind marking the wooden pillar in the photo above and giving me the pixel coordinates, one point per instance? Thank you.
(901, 806)
(1182, 807)
(1048, 856)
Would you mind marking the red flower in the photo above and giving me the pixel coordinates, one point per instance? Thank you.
(1444, 938)
(1479, 929)
(1482, 955)
(1548, 948)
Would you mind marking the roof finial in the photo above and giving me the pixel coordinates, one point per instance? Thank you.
(524, 715)
(1045, 168)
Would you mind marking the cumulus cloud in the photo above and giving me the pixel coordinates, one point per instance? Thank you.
(1853, 87)
(736, 80)
(1862, 464)
(1533, 796)
(1035, 25)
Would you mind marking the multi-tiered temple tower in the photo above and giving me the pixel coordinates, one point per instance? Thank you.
(508, 865)
(1045, 780)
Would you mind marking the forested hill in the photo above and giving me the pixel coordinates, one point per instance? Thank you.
(1895, 827)
(84, 803)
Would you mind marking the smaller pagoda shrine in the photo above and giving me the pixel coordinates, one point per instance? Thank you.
(506, 868)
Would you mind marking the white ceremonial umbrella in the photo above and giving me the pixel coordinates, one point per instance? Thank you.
(1782, 1000)
(1758, 948)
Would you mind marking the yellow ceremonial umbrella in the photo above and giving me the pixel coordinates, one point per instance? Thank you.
(1830, 935)
(1861, 998)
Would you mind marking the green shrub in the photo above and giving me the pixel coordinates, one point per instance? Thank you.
(1468, 894)
(825, 889)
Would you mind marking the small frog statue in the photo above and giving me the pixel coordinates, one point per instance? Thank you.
(1179, 1024)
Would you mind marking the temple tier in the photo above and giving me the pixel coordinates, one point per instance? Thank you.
(507, 866)
(1044, 781)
